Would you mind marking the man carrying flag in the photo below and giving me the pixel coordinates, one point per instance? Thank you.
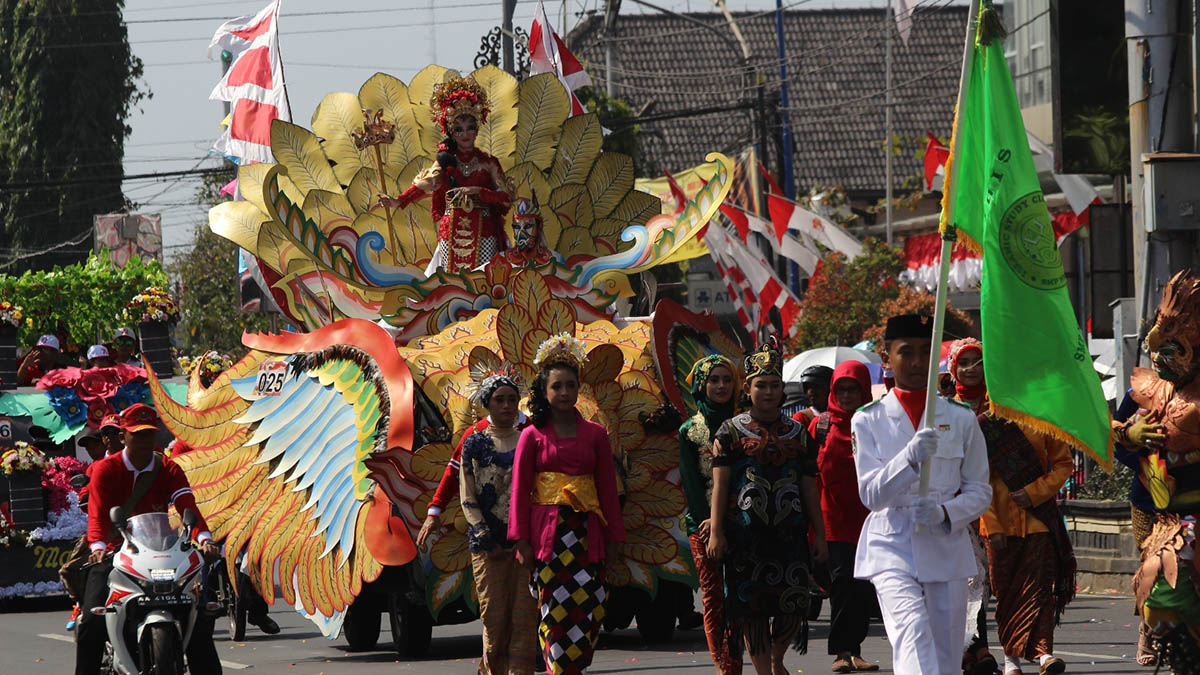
(993, 198)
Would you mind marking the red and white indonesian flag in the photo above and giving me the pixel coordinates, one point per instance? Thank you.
(254, 85)
(922, 258)
(794, 246)
(549, 54)
(787, 215)
(748, 276)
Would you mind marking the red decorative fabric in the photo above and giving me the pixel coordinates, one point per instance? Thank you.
(913, 403)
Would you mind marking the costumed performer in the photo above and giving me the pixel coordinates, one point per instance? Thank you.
(529, 246)
(506, 608)
(714, 384)
(1165, 433)
(965, 366)
(470, 195)
(850, 600)
(764, 501)
(915, 550)
(565, 515)
(1031, 561)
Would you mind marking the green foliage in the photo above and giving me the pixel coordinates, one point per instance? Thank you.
(210, 309)
(82, 301)
(1102, 138)
(615, 114)
(846, 299)
(68, 83)
(1102, 485)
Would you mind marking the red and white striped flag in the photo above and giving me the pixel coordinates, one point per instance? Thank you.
(795, 247)
(549, 54)
(936, 154)
(735, 284)
(761, 284)
(254, 85)
(788, 215)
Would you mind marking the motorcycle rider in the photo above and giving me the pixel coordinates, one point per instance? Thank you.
(112, 483)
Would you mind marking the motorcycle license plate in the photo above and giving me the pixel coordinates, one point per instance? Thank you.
(168, 600)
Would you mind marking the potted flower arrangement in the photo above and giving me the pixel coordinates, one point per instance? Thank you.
(23, 465)
(10, 319)
(153, 310)
(210, 365)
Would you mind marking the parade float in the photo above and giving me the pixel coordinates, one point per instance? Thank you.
(315, 456)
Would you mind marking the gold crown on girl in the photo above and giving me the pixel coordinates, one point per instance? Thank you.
(457, 97)
(766, 360)
(561, 348)
(486, 379)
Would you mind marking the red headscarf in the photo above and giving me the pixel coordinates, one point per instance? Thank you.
(966, 394)
(842, 507)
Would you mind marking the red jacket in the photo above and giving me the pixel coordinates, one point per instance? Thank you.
(843, 509)
(111, 484)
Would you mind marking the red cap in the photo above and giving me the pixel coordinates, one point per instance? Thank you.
(113, 420)
(139, 417)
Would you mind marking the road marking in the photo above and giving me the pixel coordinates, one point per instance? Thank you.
(1099, 657)
(66, 638)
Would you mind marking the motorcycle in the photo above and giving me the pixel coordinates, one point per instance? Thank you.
(154, 595)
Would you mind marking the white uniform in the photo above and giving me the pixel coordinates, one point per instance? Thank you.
(920, 577)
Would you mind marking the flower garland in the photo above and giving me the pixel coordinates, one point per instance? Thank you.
(211, 364)
(24, 457)
(56, 479)
(152, 304)
(11, 314)
(11, 535)
(67, 523)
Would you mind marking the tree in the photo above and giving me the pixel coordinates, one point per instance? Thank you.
(68, 82)
(616, 115)
(845, 298)
(912, 301)
(210, 309)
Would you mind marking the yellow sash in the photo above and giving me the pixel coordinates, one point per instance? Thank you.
(578, 492)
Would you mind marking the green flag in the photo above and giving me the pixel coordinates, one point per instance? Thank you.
(1039, 371)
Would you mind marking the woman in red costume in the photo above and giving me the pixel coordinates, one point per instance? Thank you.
(470, 195)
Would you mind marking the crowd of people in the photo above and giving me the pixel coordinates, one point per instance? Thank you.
(47, 355)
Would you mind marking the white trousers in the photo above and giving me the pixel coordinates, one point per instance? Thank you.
(925, 622)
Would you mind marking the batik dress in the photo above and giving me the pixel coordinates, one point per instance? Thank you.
(767, 564)
(506, 609)
(564, 502)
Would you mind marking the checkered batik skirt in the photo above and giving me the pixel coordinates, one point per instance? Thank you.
(571, 593)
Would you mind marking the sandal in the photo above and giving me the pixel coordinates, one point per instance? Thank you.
(1146, 656)
(862, 665)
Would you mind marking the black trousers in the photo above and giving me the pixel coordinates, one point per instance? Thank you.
(91, 633)
(850, 601)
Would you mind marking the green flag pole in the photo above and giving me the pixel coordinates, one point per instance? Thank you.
(949, 235)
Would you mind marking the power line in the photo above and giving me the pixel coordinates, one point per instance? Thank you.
(106, 179)
(76, 240)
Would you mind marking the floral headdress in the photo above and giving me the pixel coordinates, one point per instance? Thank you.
(487, 378)
(766, 360)
(457, 97)
(561, 348)
(956, 350)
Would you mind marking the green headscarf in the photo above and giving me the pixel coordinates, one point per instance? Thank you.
(714, 413)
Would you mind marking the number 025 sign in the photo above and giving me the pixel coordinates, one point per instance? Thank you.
(270, 378)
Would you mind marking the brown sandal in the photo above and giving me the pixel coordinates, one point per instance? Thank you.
(1146, 656)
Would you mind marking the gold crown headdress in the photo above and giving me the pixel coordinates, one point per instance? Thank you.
(457, 97)
(487, 378)
(561, 348)
(766, 360)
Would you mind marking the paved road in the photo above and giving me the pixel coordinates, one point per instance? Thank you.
(1096, 637)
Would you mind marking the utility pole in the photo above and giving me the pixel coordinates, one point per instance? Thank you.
(1160, 120)
(506, 37)
(887, 116)
(789, 177)
(611, 9)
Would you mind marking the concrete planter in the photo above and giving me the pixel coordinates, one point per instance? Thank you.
(1102, 534)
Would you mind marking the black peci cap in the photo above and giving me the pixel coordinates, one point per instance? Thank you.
(908, 326)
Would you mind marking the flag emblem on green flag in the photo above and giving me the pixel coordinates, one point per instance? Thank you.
(1039, 371)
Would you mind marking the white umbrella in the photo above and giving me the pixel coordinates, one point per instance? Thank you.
(824, 356)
